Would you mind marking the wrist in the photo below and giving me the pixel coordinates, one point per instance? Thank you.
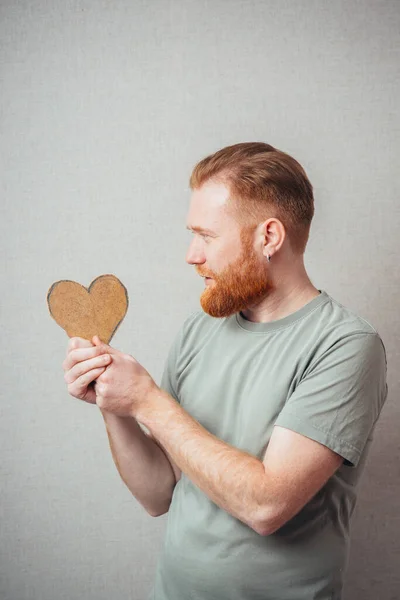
(151, 403)
(110, 416)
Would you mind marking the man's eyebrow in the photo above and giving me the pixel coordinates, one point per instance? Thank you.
(201, 230)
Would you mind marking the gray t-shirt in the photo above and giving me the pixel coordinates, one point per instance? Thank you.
(320, 371)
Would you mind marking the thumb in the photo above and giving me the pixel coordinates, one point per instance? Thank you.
(97, 342)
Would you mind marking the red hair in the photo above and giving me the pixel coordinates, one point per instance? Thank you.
(263, 182)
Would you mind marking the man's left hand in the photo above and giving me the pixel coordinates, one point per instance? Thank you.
(124, 386)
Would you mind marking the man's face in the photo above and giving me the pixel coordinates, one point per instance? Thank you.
(239, 277)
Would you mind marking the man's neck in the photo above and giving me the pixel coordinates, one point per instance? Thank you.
(280, 304)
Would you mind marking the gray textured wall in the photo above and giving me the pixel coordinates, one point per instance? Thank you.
(105, 107)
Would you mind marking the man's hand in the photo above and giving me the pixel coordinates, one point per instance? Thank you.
(83, 364)
(124, 385)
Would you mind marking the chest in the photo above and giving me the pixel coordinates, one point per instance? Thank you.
(236, 388)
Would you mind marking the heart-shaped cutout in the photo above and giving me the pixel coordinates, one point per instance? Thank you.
(85, 312)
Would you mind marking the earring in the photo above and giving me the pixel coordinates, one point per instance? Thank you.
(268, 258)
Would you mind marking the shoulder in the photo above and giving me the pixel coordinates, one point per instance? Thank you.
(332, 313)
(197, 329)
(198, 322)
(338, 324)
(347, 318)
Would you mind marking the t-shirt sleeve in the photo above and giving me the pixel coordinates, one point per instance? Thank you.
(168, 379)
(339, 399)
(169, 375)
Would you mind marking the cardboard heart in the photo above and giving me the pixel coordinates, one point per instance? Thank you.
(85, 312)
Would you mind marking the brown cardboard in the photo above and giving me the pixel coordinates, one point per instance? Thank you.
(85, 312)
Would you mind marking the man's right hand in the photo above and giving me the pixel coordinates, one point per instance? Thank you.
(82, 365)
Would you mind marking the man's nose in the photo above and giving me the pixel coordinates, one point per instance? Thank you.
(195, 254)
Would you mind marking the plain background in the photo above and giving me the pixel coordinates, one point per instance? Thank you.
(105, 109)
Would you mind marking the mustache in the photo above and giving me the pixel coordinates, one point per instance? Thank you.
(203, 274)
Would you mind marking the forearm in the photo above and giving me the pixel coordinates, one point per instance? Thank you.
(141, 463)
(233, 479)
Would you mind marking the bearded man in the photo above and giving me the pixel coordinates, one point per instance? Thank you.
(257, 436)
